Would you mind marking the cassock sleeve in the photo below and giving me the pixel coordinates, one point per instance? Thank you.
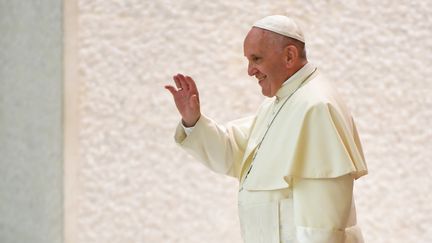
(322, 208)
(220, 148)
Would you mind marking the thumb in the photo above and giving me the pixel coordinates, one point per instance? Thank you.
(171, 89)
(194, 102)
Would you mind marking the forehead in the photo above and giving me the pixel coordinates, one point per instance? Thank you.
(256, 42)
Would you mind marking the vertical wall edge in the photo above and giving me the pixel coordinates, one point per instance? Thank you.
(70, 119)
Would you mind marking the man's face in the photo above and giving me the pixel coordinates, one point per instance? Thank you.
(266, 60)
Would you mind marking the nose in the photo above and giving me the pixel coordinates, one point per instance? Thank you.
(252, 70)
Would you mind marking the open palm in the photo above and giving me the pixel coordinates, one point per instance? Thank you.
(186, 98)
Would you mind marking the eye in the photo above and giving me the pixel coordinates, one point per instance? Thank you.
(256, 59)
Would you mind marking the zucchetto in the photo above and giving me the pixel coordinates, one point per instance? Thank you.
(282, 25)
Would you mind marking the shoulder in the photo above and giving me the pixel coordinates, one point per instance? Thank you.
(317, 94)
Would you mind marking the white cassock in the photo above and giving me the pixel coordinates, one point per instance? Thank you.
(296, 161)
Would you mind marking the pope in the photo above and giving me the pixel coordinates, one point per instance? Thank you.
(296, 159)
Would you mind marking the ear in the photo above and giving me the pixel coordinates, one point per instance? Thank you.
(291, 55)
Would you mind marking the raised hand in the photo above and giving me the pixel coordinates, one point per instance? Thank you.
(186, 98)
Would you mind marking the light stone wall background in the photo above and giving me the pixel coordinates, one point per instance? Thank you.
(31, 123)
(136, 185)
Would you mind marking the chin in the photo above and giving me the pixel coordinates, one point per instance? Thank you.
(267, 94)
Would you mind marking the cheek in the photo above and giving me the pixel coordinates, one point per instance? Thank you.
(265, 70)
(277, 71)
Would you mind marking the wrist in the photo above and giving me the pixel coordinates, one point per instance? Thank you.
(190, 123)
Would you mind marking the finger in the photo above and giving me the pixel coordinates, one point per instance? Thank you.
(192, 85)
(183, 82)
(177, 81)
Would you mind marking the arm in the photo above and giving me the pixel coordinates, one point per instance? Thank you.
(322, 208)
(219, 148)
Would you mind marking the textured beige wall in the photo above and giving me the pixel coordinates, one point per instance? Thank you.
(135, 185)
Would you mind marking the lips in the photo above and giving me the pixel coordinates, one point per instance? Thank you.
(261, 78)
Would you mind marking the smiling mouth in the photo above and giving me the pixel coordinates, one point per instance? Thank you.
(261, 78)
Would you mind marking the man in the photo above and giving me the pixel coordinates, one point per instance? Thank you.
(296, 159)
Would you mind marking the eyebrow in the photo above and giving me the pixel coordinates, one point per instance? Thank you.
(252, 55)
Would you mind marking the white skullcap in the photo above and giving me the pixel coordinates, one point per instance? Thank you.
(282, 25)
